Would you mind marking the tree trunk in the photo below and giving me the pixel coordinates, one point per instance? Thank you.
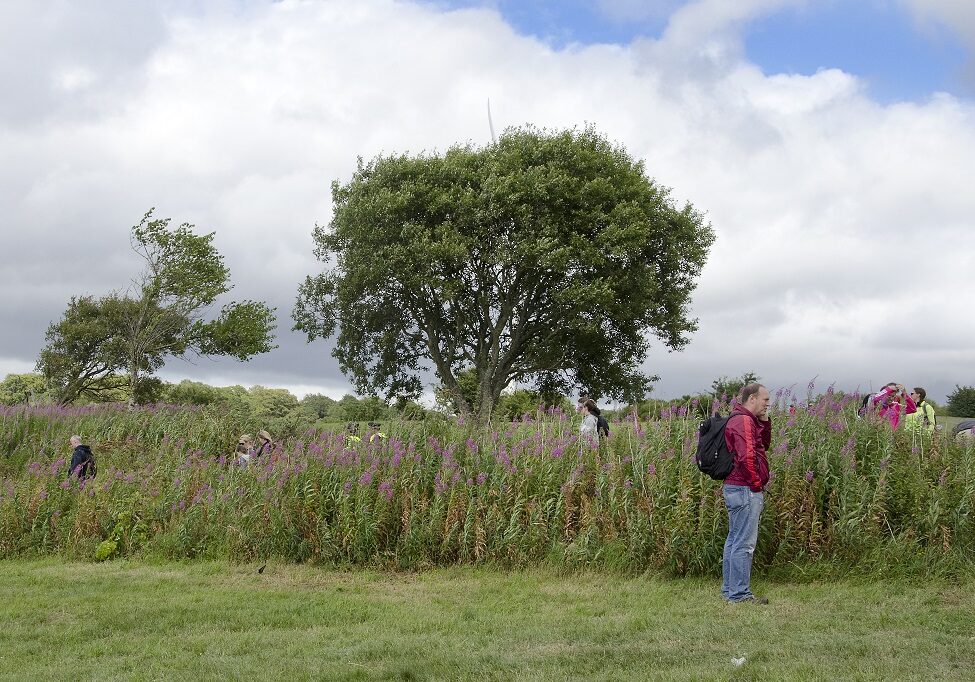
(133, 381)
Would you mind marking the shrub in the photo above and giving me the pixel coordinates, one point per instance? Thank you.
(961, 403)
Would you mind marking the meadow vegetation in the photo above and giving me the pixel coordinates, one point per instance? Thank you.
(847, 495)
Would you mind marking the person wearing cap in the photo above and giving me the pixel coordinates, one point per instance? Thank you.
(245, 450)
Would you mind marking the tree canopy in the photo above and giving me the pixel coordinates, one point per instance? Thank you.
(546, 259)
(132, 333)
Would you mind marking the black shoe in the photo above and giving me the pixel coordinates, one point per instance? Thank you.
(751, 600)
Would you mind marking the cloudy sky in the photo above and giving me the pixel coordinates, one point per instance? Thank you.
(830, 142)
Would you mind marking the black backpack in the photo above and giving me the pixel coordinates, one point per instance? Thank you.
(713, 456)
(602, 426)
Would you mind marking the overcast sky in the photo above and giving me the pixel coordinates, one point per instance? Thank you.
(831, 144)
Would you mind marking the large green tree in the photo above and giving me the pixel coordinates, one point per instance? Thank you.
(546, 258)
(16, 389)
(163, 314)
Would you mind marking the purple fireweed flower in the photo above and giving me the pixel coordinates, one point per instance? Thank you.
(837, 426)
(627, 483)
(366, 478)
(884, 463)
(651, 469)
(43, 495)
(481, 477)
(470, 482)
(347, 487)
(809, 476)
(386, 488)
(182, 505)
(943, 478)
(66, 483)
(557, 452)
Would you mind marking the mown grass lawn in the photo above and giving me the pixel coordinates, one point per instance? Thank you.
(135, 620)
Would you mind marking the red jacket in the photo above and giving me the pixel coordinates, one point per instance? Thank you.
(748, 438)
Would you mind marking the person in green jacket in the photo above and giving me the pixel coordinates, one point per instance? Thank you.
(924, 417)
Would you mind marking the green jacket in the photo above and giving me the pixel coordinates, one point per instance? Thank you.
(922, 419)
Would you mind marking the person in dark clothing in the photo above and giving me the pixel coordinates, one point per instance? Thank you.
(748, 436)
(82, 460)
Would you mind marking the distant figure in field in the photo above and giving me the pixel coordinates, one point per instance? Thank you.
(893, 402)
(245, 450)
(264, 444)
(82, 459)
(590, 420)
(923, 418)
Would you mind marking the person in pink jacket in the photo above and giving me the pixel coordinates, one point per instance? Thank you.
(893, 402)
(748, 436)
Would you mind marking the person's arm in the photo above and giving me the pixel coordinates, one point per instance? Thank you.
(883, 394)
(766, 436)
(911, 406)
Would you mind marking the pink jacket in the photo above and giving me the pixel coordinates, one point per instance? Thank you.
(749, 439)
(891, 409)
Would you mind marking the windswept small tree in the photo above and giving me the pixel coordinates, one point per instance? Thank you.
(545, 259)
(162, 315)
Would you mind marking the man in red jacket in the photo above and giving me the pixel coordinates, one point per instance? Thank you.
(748, 435)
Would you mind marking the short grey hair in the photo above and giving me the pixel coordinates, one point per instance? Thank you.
(75, 440)
(749, 390)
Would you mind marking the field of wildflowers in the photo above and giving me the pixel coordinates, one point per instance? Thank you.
(847, 495)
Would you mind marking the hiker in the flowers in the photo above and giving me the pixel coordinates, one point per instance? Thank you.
(923, 418)
(893, 402)
(590, 421)
(245, 450)
(748, 436)
(264, 444)
(82, 459)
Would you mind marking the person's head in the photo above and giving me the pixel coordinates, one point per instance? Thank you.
(590, 408)
(263, 436)
(583, 399)
(754, 398)
(75, 441)
(918, 394)
(892, 385)
(245, 440)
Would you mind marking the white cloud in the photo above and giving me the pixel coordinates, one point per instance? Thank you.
(839, 219)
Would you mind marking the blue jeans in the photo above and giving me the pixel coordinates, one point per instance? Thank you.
(744, 511)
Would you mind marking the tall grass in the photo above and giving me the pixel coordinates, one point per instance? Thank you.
(846, 495)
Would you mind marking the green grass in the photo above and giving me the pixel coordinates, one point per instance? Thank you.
(948, 423)
(135, 620)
